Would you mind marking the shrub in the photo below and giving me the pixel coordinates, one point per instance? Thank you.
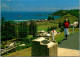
(49, 18)
(51, 28)
(62, 29)
(59, 37)
(2, 46)
(60, 24)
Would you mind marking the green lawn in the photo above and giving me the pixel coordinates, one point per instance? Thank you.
(24, 52)
(71, 18)
(27, 51)
(60, 37)
(44, 25)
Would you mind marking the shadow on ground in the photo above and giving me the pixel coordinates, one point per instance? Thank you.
(71, 43)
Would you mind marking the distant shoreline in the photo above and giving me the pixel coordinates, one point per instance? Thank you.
(18, 21)
(10, 16)
(26, 20)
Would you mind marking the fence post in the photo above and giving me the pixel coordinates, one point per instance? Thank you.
(53, 35)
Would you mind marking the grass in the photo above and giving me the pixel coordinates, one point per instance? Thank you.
(57, 30)
(44, 25)
(24, 52)
(27, 51)
(70, 17)
(76, 30)
(60, 37)
(22, 42)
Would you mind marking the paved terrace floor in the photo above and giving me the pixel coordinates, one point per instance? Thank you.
(71, 43)
(69, 47)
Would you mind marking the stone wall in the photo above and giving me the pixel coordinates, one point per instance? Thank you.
(43, 47)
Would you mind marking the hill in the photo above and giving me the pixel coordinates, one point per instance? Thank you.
(44, 25)
(74, 12)
(68, 16)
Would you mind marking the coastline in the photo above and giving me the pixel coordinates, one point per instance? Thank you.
(18, 21)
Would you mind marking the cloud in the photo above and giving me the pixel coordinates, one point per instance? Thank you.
(72, 8)
(41, 9)
(4, 5)
(8, 0)
(0, 8)
(20, 4)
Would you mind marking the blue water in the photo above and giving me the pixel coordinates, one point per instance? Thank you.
(9, 16)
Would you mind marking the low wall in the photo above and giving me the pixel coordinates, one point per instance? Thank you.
(44, 47)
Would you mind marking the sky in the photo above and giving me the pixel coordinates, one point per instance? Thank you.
(38, 5)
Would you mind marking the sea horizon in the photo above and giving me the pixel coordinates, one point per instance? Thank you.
(26, 15)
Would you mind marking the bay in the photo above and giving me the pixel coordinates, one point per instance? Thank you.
(10, 16)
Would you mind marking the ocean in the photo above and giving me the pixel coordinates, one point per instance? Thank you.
(11, 16)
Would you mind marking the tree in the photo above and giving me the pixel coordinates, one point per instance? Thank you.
(61, 29)
(33, 28)
(52, 18)
(2, 28)
(23, 30)
(74, 12)
(68, 21)
(49, 18)
(60, 24)
(8, 31)
(48, 29)
(2, 21)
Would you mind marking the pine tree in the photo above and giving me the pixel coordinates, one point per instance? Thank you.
(49, 18)
(2, 21)
(52, 18)
(33, 28)
(48, 29)
(20, 30)
(60, 24)
(23, 30)
(8, 32)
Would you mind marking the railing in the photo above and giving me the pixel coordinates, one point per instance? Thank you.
(7, 49)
